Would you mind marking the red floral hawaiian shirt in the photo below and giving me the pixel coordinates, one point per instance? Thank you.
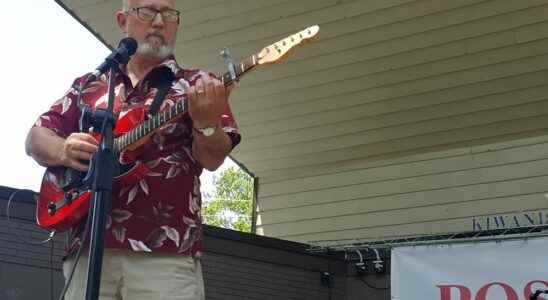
(161, 211)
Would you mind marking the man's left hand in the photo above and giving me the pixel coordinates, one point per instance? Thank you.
(207, 101)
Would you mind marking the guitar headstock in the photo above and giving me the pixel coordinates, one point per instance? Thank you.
(278, 50)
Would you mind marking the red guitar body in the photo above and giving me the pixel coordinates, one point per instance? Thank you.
(60, 206)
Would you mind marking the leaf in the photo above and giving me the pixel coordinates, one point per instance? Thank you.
(196, 185)
(174, 170)
(119, 216)
(119, 233)
(187, 243)
(154, 174)
(185, 167)
(123, 191)
(188, 240)
(109, 222)
(144, 186)
(138, 246)
(193, 204)
(172, 159)
(153, 163)
(66, 105)
(156, 238)
(172, 234)
(132, 194)
(189, 222)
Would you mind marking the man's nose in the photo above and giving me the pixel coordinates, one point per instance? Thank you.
(158, 20)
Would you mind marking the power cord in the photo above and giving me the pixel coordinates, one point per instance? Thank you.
(373, 287)
(361, 268)
(8, 218)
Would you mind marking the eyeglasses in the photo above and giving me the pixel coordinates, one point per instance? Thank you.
(148, 13)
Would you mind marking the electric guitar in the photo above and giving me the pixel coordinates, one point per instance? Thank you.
(65, 197)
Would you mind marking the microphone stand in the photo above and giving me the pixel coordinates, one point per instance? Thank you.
(103, 168)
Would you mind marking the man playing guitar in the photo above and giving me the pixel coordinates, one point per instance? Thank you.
(153, 237)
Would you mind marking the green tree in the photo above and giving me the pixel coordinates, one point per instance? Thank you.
(231, 205)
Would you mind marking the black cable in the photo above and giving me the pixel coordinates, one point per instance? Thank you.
(8, 218)
(371, 286)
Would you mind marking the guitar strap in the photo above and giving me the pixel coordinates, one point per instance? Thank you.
(162, 81)
(159, 98)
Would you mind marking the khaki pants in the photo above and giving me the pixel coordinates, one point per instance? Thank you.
(128, 275)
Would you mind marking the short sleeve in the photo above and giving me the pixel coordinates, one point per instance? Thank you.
(63, 115)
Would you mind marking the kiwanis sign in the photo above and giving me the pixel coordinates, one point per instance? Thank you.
(535, 218)
(494, 270)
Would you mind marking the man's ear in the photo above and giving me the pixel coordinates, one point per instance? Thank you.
(121, 20)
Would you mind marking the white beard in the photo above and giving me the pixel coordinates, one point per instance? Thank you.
(162, 52)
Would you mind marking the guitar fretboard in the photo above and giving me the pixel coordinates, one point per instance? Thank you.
(240, 69)
(161, 118)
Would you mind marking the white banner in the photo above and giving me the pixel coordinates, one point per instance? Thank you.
(497, 270)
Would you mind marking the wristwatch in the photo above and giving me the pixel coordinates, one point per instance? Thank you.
(207, 131)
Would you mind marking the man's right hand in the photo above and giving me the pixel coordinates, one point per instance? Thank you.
(77, 149)
(50, 150)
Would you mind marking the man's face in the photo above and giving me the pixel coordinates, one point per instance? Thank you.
(156, 37)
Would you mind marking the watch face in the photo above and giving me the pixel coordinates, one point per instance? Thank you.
(208, 131)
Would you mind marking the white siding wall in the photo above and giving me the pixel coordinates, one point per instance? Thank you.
(418, 194)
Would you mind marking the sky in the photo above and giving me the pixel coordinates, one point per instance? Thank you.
(43, 50)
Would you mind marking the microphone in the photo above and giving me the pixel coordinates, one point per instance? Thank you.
(126, 48)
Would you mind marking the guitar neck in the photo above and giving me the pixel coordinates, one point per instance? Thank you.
(164, 117)
(240, 69)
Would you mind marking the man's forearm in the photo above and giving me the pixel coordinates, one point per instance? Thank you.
(44, 146)
(211, 151)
